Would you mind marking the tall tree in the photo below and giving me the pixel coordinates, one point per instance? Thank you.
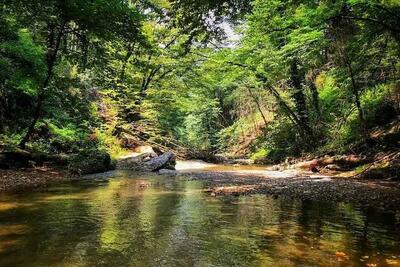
(62, 21)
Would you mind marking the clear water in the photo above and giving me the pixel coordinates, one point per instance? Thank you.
(151, 220)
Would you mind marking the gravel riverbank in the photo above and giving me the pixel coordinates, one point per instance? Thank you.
(380, 194)
(29, 178)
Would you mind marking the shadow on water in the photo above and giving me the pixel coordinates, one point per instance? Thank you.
(149, 220)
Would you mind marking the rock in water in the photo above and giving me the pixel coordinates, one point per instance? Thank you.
(89, 162)
(135, 163)
(165, 161)
(148, 162)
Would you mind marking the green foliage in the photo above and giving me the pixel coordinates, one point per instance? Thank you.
(304, 76)
(200, 127)
(281, 140)
(260, 155)
(380, 108)
(109, 143)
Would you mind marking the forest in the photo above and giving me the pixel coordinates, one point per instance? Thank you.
(200, 133)
(266, 80)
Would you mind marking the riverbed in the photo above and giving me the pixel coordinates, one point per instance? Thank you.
(131, 219)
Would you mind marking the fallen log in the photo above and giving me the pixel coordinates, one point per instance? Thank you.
(344, 162)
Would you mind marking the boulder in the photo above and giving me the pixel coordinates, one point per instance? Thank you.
(165, 161)
(148, 162)
(89, 162)
(134, 163)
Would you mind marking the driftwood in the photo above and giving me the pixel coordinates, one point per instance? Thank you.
(342, 163)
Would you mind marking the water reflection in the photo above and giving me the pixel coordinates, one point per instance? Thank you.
(157, 221)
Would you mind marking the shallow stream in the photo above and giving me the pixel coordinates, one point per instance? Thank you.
(127, 219)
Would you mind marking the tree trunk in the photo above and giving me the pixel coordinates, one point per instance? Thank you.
(258, 105)
(281, 102)
(128, 55)
(299, 98)
(147, 80)
(356, 93)
(3, 107)
(289, 112)
(315, 96)
(52, 52)
(85, 50)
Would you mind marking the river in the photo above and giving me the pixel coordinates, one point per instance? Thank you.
(130, 219)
